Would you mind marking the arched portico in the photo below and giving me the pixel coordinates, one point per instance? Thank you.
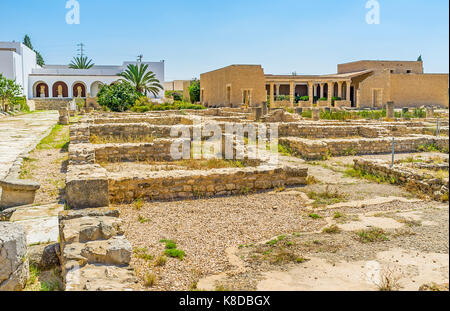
(40, 89)
(79, 89)
(95, 88)
(60, 89)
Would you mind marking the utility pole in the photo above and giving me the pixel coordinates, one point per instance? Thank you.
(80, 49)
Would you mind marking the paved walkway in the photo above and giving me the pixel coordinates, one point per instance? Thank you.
(21, 134)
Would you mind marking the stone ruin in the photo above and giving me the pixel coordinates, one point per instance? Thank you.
(93, 253)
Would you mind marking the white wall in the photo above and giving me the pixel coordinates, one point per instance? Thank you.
(17, 65)
(69, 80)
(7, 64)
(21, 66)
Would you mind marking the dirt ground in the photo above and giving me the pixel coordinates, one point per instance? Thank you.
(47, 163)
(377, 237)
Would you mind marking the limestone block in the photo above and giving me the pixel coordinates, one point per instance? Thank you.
(86, 186)
(85, 229)
(17, 192)
(100, 278)
(390, 110)
(315, 114)
(14, 269)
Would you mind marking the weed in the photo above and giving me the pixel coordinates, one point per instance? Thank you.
(389, 280)
(332, 229)
(372, 235)
(138, 204)
(326, 197)
(175, 253)
(50, 286)
(150, 279)
(142, 254)
(161, 261)
(143, 220)
(314, 216)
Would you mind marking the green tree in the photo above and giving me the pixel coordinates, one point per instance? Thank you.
(118, 97)
(39, 59)
(142, 79)
(419, 59)
(81, 62)
(194, 91)
(8, 90)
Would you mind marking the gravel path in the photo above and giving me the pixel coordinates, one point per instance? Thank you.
(205, 228)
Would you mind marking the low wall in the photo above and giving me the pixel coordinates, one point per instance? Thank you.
(433, 187)
(320, 149)
(190, 184)
(173, 120)
(159, 150)
(50, 104)
(89, 186)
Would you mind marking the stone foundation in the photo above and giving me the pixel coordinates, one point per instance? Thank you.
(171, 185)
(94, 254)
(321, 149)
(421, 182)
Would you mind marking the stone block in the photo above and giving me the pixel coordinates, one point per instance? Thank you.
(14, 267)
(17, 192)
(86, 186)
(390, 106)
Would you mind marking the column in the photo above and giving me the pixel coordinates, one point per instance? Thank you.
(272, 98)
(348, 83)
(277, 90)
(330, 91)
(321, 90)
(340, 89)
(291, 93)
(311, 92)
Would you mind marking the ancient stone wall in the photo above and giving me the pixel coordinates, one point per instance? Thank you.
(418, 181)
(190, 184)
(320, 149)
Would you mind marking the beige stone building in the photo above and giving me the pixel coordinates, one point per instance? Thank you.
(181, 86)
(362, 84)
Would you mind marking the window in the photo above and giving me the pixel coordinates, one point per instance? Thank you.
(392, 71)
(408, 71)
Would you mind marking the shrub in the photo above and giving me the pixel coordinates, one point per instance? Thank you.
(118, 97)
(194, 91)
(143, 104)
(175, 95)
(304, 98)
(323, 99)
(20, 102)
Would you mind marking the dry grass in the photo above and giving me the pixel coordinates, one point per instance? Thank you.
(389, 280)
(99, 140)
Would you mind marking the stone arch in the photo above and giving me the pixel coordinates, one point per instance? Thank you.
(75, 87)
(64, 89)
(37, 89)
(95, 88)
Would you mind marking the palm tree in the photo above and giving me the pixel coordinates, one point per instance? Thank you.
(142, 79)
(81, 62)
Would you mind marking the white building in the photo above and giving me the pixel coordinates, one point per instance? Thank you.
(18, 62)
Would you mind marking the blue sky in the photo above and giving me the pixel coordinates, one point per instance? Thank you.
(195, 36)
